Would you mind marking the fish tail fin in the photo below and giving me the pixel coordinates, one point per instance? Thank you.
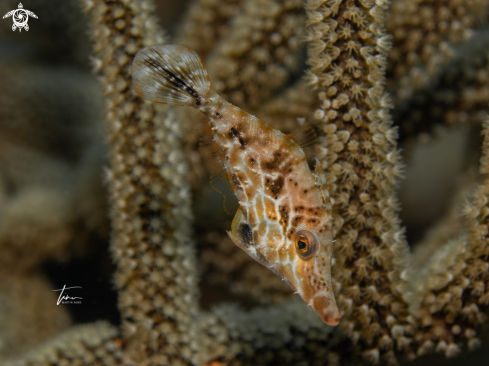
(170, 74)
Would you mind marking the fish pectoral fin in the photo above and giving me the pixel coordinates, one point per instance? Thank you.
(306, 139)
(241, 232)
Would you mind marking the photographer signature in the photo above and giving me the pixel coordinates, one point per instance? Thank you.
(66, 297)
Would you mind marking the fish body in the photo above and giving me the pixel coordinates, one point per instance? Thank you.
(284, 218)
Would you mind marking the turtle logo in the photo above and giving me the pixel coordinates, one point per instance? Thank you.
(20, 17)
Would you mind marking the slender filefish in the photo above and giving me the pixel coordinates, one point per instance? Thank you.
(284, 217)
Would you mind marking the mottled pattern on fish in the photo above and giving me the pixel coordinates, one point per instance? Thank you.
(284, 219)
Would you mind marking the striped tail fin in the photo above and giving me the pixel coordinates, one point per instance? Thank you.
(170, 74)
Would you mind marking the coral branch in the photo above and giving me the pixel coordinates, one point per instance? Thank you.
(457, 96)
(259, 53)
(151, 216)
(454, 300)
(94, 344)
(425, 34)
(347, 55)
(206, 23)
(284, 335)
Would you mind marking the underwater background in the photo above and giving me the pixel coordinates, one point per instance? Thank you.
(108, 194)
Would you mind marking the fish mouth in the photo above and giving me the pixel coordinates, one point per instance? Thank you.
(325, 306)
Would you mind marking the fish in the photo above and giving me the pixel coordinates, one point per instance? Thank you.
(284, 219)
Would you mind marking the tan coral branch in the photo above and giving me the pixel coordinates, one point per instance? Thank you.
(347, 55)
(150, 198)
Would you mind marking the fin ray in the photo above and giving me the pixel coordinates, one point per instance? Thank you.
(306, 139)
(169, 74)
(220, 180)
(207, 146)
(320, 179)
(221, 183)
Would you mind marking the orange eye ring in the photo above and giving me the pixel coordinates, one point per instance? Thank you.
(306, 244)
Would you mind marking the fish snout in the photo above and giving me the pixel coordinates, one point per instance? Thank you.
(325, 306)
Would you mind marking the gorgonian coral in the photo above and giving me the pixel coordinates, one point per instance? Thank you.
(393, 304)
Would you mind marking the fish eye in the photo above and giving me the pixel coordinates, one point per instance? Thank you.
(306, 244)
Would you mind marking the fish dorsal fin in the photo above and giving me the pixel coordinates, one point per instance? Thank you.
(220, 180)
(306, 139)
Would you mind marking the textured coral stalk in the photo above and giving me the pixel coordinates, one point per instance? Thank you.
(260, 52)
(150, 200)
(94, 344)
(347, 56)
(425, 36)
(452, 297)
(458, 96)
(206, 22)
